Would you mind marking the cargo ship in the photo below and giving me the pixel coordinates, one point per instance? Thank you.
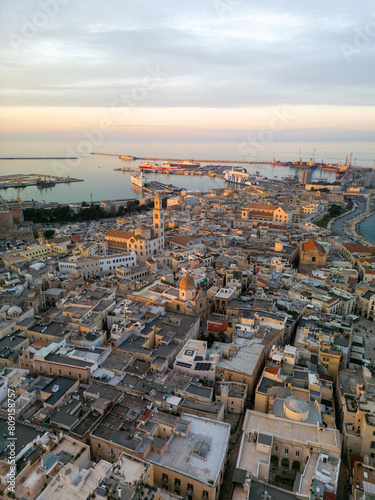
(140, 180)
(280, 163)
(155, 166)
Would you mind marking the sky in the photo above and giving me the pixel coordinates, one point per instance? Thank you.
(166, 70)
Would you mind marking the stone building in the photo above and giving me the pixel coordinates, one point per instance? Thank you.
(311, 256)
(144, 241)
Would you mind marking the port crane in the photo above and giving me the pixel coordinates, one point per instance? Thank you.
(312, 158)
(324, 157)
(350, 160)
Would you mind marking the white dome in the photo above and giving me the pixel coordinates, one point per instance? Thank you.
(14, 309)
(296, 408)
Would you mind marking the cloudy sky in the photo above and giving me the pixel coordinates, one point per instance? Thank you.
(211, 68)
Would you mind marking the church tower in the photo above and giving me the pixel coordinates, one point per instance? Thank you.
(187, 289)
(158, 219)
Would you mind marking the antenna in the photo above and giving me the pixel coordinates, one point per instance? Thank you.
(91, 197)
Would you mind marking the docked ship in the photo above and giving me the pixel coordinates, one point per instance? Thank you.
(140, 180)
(127, 157)
(279, 163)
(237, 176)
(179, 164)
(155, 166)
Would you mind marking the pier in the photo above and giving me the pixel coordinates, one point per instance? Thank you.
(20, 181)
(248, 162)
(215, 171)
(310, 165)
(44, 158)
(158, 187)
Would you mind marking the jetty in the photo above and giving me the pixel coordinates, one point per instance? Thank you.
(20, 181)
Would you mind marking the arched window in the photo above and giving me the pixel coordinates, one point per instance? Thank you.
(296, 466)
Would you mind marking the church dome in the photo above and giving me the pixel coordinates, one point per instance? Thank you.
(14, 309)
(296, 408)
(187, 282)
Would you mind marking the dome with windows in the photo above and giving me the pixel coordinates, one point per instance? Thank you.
(187, 282)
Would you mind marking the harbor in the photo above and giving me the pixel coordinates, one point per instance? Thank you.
(181, 160)
(20, 181)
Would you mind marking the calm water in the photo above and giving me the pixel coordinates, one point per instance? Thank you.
(102, 182)
(368, 229)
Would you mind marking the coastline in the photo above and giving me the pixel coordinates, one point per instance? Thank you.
(355, 225)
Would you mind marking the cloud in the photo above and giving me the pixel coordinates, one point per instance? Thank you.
(65, 59)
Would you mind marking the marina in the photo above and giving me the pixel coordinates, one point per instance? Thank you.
(20, 181)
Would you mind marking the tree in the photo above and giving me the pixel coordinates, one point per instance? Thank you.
(37, 215)
(48, 234)
(62, 214)
(120, 211)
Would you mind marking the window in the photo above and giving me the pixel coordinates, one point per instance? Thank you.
(372, 444)
(111, 452)
(205, 494)
(276, 448)
(297, 453)
(99, 446)
(286, 451)
(189, 488)
(165, 478)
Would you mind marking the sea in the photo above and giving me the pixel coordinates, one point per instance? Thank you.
(102, 182)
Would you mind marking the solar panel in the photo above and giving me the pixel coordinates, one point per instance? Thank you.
(185, 365)
(203, 366)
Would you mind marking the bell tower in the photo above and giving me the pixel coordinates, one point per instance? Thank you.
(158, 220)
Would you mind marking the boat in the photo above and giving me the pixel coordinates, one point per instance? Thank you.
(140, 180)
(236, 176)
(279, 163)
(183, 163)
(45, 184)
(258, 175)
(155, 166)
(127, 157)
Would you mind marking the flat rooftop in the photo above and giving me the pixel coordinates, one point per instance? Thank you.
(25, 434)
(199, 455)
(292, 430)
(246, 358)
(73, 482)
